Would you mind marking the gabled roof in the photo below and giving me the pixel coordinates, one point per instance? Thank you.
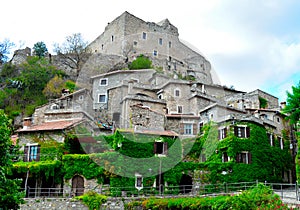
(52, 126)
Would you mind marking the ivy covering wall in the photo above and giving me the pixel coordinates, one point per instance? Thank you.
(267, 162)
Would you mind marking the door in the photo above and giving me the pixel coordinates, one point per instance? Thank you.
(77, 185)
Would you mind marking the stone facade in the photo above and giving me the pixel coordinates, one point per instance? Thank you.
(129, 36)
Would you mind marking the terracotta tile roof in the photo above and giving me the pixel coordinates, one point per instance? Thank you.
(53, 125)
(151, 132)
(87, 139)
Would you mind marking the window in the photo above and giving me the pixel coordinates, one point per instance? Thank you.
(201, 124)
(179, 109)
(112, 38)
(225, 157)
(138, 181)
(177, 93)
(102, 98)
(32, 152)
(160, 41)
(144, 35)
(271, 139)
(242, 131)
(155, 52)
(160, 148)
(80, 98)
(135, 43)
(281, 144)
(278, 119)
(188, 129)
(222, 133)
(103, 82)
(160, 96)
(243, 157)
(170, 44)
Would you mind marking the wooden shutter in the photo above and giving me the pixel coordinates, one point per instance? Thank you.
(38, 153)
(26, 149)
(181, 127)
(165, 152)
(235, 130)
(249, 158)
(247, 132)
(225, 132)
(238, 157)
(155, 148)
(219, 134)
(194, 129)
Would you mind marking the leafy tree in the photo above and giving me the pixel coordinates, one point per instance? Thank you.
(141, 62)
(73, 51)
(293, 104)
(5, 47)
(55, 86)
(40, 49)
(10, 194)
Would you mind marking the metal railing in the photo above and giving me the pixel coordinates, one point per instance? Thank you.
(182, 190)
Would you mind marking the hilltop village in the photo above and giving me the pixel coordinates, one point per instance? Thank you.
(168, 125)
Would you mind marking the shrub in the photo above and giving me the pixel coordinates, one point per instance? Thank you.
(92, 199)
(141, 62)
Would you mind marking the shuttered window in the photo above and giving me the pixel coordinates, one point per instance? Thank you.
(242, 131)
(222, 133)
(244, 157)
(32, 153)
(160, 148)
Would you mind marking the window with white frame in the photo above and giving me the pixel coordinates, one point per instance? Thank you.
(103, 82)
(80, 98)
(188, 129)
(102, 98)
(155, 52)
(31, 152)
(242, 131)
(160, 148)
(222, 133)
(244, 157)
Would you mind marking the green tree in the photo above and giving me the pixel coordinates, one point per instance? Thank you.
(55, 86)
(10, 193)
(5, 47)
(141, 62)
(40, 49)
(293, 105)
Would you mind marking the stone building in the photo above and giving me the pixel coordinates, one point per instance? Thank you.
(129, 36)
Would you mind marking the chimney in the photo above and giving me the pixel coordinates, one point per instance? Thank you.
(130, 86)
(27, 122)
(282, 105)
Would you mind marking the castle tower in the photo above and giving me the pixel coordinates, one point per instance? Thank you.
(129, 36)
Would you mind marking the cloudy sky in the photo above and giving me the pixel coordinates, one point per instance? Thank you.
(251, 44)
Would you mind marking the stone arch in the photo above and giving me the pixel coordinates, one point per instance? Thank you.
(77, 185)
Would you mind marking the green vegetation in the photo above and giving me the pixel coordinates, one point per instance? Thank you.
(92, 199)
(40, 49)
(10, 195)
(259, 197)
(263, 103)
(141, 62)
(23, 86)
